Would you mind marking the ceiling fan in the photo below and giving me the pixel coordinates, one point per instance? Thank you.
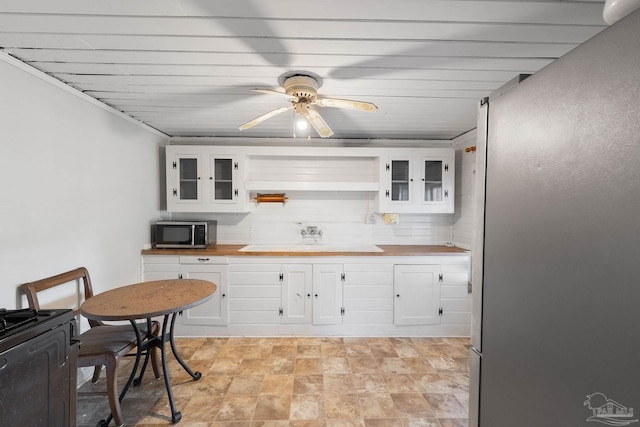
(301, 89)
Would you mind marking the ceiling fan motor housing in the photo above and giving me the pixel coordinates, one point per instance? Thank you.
(305, 88)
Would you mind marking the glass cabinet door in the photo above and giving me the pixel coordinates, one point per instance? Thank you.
(432, 181)
(400, 178)
(223, 179)
(188, 178)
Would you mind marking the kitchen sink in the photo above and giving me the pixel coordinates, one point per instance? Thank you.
(310, 248)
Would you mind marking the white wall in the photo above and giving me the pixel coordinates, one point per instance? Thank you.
(79, 186)
(465, 186)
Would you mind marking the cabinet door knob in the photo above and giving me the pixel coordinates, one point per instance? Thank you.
(316, 295)
(224, 295)
(308, 295)
(398, 295)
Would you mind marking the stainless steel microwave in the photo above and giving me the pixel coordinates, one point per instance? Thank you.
(184, 234)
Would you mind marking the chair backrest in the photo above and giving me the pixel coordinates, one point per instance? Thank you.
(31, 289)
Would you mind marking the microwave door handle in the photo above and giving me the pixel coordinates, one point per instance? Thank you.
(193, 234)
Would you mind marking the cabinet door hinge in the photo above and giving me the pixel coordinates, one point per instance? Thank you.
(446, 167)
(446, 193)
(175, 191)
(235, 192)
(386, 193)
(175, 165)
(235, 165)
(280, 311)
(469, 287)
(281, 277)
(342, 277)
(440, 277)
(180, 276)
(440, 311)
(387, 166)
(342, 311)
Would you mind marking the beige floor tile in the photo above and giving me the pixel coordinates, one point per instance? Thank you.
(411, 405)
(363, 365)
(245, 385)
(377, 405)
(307, 407)
(308, 384)
(335, 365)
(305, 350)
(272, 408)
(310, 366)
(369, 383)
(237, 408)
(302, 382)
(338, 383)
(445, 405)
(342, 406)
(277, 385)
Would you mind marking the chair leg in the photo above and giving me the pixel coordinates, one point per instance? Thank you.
(112, 391)
(96, 373)
(154, 362)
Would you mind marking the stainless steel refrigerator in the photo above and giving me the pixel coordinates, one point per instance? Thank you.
(556, 256)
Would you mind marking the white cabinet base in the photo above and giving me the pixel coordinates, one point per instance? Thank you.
(264, 296)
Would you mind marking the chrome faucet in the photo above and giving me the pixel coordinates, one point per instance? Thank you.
(311, 231)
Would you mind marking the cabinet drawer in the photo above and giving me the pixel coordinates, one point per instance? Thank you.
(160, 259)
(203, 259)
(169, 268)
(255, 278)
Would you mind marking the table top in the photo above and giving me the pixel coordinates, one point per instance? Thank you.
(147, 299)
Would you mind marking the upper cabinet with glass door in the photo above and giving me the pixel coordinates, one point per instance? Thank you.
(417, 181)
(201, 181)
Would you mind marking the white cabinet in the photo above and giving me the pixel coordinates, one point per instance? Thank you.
(199, 180)
(417, 294)
(213, 311)
(270, 293)
(418, 183)
(327, 294)
(352, 294)
(323, 295)
(213, 269)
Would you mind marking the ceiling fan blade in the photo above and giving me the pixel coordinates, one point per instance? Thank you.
(264, 117)
(319, 124)
(275, 92)
(346, 103)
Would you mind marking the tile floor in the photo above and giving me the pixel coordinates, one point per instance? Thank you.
(274, 382)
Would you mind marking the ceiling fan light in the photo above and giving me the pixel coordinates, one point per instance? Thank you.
(301, 123)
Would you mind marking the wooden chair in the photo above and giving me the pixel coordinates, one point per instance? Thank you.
(100, 345)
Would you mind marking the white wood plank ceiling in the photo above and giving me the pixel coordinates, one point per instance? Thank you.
(187, 67)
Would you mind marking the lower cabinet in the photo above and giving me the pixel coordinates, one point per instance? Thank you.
(270, 293)
(390, 295)
(211, 312)
(352, 294)
(416, 294)
(214, 311)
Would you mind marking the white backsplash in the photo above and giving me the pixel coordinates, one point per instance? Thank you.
(344, 218)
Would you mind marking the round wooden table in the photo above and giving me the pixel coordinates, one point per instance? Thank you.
(146, 300)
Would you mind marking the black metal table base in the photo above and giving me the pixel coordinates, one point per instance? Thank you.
(147, 345)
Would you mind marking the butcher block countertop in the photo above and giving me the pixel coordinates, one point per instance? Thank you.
(387, 250)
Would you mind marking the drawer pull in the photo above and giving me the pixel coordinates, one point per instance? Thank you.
(203, 259)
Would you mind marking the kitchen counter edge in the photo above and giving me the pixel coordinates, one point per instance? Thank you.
(388, 250)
